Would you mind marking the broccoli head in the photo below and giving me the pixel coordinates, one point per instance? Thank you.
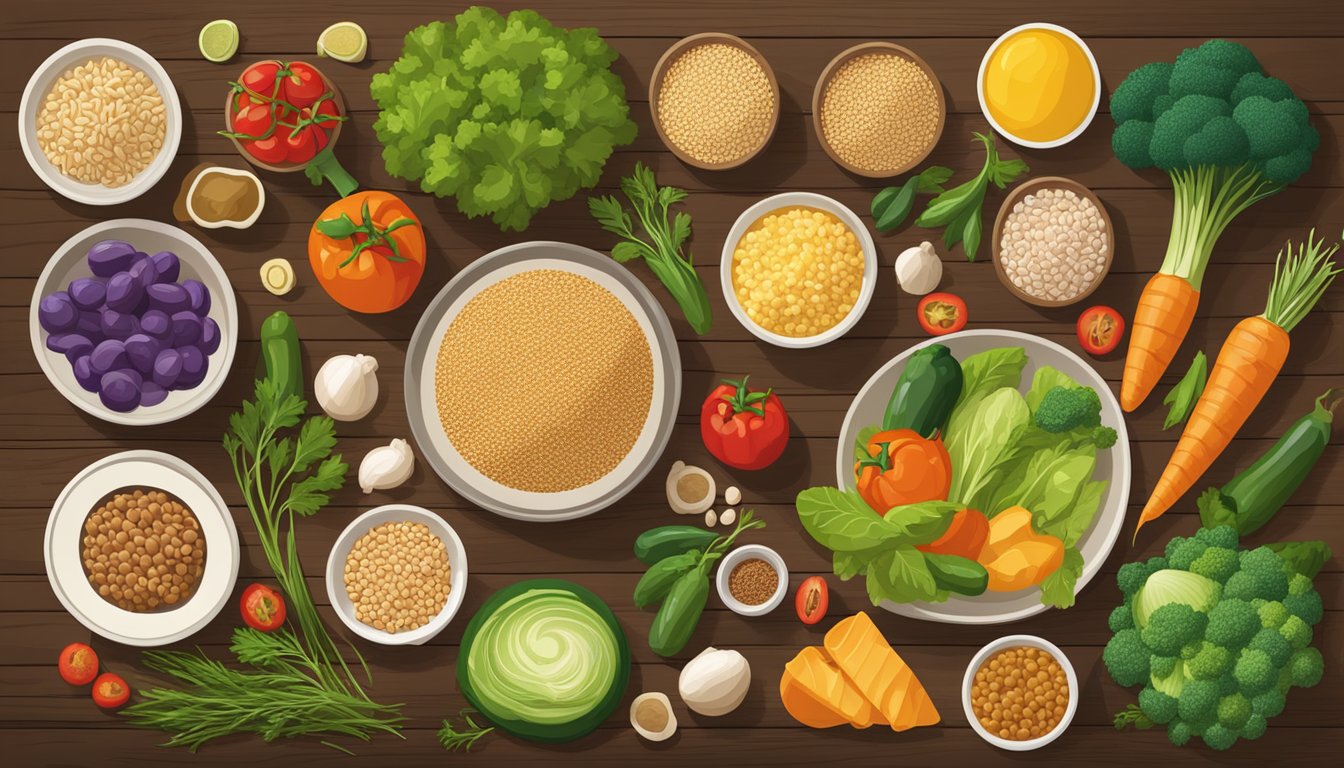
(1254, 672)
(1173, 626)
(1064, 408)
(1158, 706)
(1232, 623)
(1127, 658)
(1306, 667)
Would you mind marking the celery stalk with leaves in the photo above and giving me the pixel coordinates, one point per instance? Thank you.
(658, 239)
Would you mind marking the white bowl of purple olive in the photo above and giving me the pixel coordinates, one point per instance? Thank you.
(134, 321)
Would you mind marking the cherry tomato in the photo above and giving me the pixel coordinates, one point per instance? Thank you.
(260, 77)
(1100, 329)
(812, 600)
(941, 313)
(110, 691)
(263, 608)
(744, 428)
(303, 85)
(268, 150)
(328, 107)
(78, 664)
(300, 145)
(254, 119)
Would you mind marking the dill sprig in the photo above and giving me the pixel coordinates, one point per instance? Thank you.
(454, 740)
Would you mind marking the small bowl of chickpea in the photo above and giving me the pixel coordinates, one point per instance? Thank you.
(397, 575)
(798, 269)
(1020, 692)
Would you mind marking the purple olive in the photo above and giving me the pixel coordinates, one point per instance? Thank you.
(186, 328)
(68, 343)
(56, 313)
(109, 355)
(144, 272)
(109, 257)
(167, 367)
(151, 394)
(120, 390)
(157, 324)
(210, 336)
(166, 266)
(124, 292)
(194, 366)
(88, 292)
(200, 296)
(119, 325)
(142, 350)
(90, 325)
(168, 297)
(84, 374)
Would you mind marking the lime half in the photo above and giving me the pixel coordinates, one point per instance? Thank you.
(219, 40)
(343, 41)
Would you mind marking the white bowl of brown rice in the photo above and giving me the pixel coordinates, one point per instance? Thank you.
(397, 575)
(100, 121)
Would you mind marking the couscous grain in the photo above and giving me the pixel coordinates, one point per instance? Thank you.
(1054, 244)
(880, 112)
(716, 103)
(398, 576)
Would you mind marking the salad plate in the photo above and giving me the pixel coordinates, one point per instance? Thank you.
(1112, 467)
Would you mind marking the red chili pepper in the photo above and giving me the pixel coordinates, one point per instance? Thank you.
(263, 608)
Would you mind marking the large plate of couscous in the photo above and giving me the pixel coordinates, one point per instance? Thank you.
(543, 381)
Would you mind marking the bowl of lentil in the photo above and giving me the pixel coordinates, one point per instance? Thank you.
(100, 121)
(799, 268)
(143, 564)
(752, 580)
(397, 575)
(1020, 692)
(1053, 242)
(878, 109)
(714, 100)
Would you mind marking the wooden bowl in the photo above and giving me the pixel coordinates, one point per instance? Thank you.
(288, 167)
(660, 73)
(824, 82)
(1021, 191)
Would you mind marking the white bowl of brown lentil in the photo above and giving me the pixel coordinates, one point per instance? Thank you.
(389, 591)
(767, 264)
(132, 121)
(738, 587)
(981, 693)
(74, 583)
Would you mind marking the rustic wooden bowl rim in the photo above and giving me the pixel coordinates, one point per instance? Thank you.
(824, 81)
(660, 73)
(1021, 191)
(288, 167)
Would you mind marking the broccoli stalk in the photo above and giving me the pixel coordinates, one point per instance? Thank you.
(1208, 198)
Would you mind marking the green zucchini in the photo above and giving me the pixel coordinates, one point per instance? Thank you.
(665, 541)
(656, 582)
(1251, 498)
(957, 574)
(925, 393)
(281, 354)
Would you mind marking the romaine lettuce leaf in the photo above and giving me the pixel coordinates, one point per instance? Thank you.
(981, 438)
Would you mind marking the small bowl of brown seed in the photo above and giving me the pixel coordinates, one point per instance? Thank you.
(1053, 242)
(752, 580)
(1020, 692)
(397, 575)
(715, 100)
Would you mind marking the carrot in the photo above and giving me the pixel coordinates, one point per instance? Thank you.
(1166, 309)
(1250, 359)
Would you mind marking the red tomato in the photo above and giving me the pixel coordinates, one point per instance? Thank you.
(260, 77)
(1100, 329)
(303, 85)
(743, 428)
(78, 664)
(300, 145)
(328, 107)
(812, 600)
(110, 691)
(268, 150)
(941, 313)
(263, 608)
(253, 119)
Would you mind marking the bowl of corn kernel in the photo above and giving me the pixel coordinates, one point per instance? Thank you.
(799, 269)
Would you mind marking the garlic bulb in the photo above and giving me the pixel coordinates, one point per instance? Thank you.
(346, 387)
(919, 269)
(386, 466)
(715, 682)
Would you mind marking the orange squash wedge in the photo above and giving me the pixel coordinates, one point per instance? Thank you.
(857, 647)
(817, 694)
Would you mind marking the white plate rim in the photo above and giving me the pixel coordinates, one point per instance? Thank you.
(1096, 86)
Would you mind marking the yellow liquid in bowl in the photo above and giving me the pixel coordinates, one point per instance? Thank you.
(1039, 85)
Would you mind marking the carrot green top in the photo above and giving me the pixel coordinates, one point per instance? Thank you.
(1300, 279)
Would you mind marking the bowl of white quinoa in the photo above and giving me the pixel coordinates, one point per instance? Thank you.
(1053, 242)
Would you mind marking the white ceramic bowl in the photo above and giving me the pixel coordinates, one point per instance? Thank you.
(1096, 87)
(748, 552)
(1013, 641)
(399, 513)
(794, 200)
(1113, 465)
(69, 262)
(35, 93)
(65, 531)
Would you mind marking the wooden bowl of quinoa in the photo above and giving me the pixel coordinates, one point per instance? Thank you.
(714, 100)
(1040, 258)
(878, 109)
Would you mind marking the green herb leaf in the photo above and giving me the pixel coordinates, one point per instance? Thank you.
(861, 442)
(1057, 588)
(309, 495)
(626, 251)
(932, 179)
(892, 205)
(1182, 397)
(923, 522)
(841, 521)
(1215, 509)
(900, 575)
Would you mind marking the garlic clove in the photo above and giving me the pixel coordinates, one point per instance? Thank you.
(386, 466)
(919, 269)
(346, 386)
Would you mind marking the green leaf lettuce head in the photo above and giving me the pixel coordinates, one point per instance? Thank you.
(506, 114)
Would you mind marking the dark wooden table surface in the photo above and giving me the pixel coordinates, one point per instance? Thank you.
(44, 441)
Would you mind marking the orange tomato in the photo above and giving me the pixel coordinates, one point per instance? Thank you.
(903, 467)
(368, 251)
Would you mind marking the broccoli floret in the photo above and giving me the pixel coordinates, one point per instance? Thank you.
(1233, 711)
(1127, 658)
(1227, 685)
(1263, 573)
(1134, 98)
(1172, 626)
(1163, 666)
(1176, 127)
(1272, 614)
(1131, 140)
(1184, 554)
(1179, 733)
(1222, 537)
(1211, 662)
(1232, 623)
(1121, 618)
(1299, 584)
(1158, 706)
(1212, 69)
(1219, 736)
(1254, 727)
(1268, 704)
(1274, 645)
(1064, 408)
(1132, 576)
(1297, 632)
(1306, 667)
(1306, 607)
(1254, 672)
(1256, 84)
(1216, 563)
(1104, 437)
(1198, 702)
